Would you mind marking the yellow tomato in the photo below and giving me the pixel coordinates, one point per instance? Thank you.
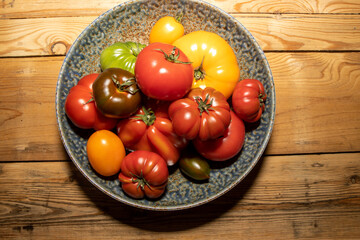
(213, 59)
(166, 30)
(105, 152)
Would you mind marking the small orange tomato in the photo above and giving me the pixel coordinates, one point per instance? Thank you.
(105, 152)
(166, 30)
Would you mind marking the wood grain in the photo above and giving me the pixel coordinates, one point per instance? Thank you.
(56, 8)
(315, 92)
(284, 197)
(289, 32)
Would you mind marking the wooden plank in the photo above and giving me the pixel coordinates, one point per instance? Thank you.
(54, 36)
(56, 8)
(315, 92)
(284, 197)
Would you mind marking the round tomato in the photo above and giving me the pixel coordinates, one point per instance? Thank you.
(81, 109)
(214, 62)
(203, 114)
(105, 152)
(248, 100)
(166, 30)
(116, 94)
(163, 72)
(225, 147)
(144, 173)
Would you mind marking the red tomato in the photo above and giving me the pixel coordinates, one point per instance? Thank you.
(225, 147)
(203, 114)
(248, 99)
(163, 72)
(143, 173)
(105, 152)
(82, 111)
(151, 132)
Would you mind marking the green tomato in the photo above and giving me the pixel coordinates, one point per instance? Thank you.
(195, 167)
(121, 55)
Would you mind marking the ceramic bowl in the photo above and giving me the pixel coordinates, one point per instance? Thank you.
(132, 21)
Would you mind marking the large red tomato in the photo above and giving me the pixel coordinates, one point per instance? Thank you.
(248, 99)
(225, 147)
(81, 109)
(203, 114)
(163, 72)
(150, 131)
(143, 173)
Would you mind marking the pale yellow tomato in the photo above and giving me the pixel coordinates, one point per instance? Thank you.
(166, 30)
(214, 61)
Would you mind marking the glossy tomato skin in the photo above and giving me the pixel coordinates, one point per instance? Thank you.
(166, 30)
(214, 61)
(154, 132)
(81, 109)
(105, 152)
(195, 167)
(160, 78)
(116, 94)
(143, 173)
(225, 147)
(191, 121)
(248, 100)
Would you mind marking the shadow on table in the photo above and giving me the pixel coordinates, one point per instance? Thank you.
(168, 221)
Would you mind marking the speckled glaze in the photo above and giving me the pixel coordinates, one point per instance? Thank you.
(132, 21)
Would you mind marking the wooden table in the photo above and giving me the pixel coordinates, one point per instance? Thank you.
(307, 185)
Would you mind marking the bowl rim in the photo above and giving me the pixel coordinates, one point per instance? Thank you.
(256, 158)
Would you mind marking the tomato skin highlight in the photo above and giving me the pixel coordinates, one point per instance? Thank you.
(248, 100)
(162, 79)
(144, 173)
(105, 152)
(166, 30)
(203, 113)
(81, 109)
(225, 147)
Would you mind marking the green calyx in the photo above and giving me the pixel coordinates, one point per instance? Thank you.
(140, 180)
(203, 105)
(173, 57)
(148, 117)
(125, 86)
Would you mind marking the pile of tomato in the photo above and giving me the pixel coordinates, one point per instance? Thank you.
(151, 102)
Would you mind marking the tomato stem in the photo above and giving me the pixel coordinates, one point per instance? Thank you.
(203, 105)
(140, 180)
(148, 117)
(173, 57)
(179, 17)
(125, 86)
(199, 73)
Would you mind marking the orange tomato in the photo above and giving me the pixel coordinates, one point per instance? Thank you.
(166, 30)
(105, 152)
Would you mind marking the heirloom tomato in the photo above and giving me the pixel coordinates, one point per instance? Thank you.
(121, 55)
(116, 94)
(151, 132)
(163, 72)
(214, 62)
(143, 173)
(166, 30)
(81, 109)
(105, 152)
(227, 146)
(248, 100)
(203, 114)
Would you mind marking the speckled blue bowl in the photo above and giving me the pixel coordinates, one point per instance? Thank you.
(132, 21)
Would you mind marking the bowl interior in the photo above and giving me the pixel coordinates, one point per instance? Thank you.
(132, 21)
